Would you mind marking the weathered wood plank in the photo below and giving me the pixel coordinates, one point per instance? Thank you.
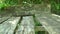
(21, 10)
(9, 26)
(2, 19)
(56, 17)
(49, 23)
(26, 26)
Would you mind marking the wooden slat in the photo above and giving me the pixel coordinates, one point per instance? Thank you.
(50, 23)
(9, 26)
(2, 19)
(18, 11)
(26, 26)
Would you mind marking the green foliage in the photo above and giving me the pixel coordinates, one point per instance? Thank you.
(15, 2)
(55, 6)
(5, 3)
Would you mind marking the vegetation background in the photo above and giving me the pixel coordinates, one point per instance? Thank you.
(55, 4)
